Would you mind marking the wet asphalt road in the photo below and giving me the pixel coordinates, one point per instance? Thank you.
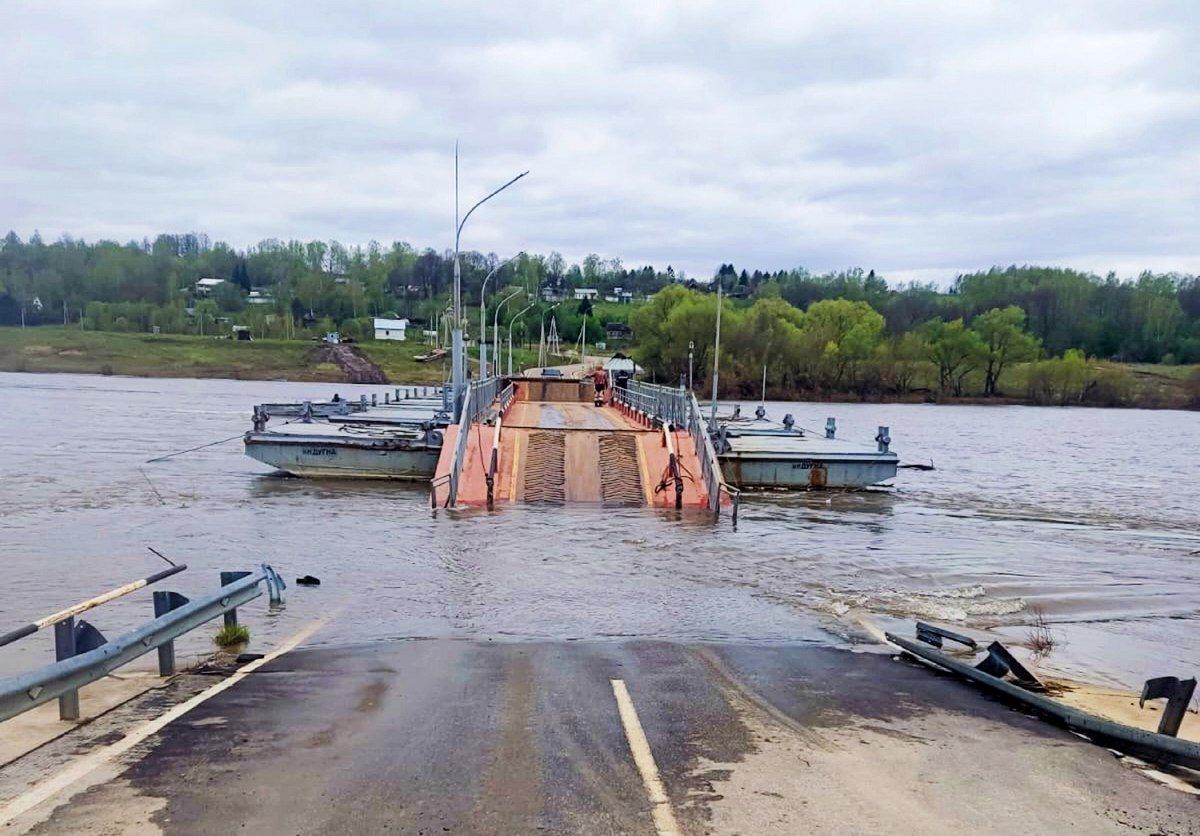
(465, 736)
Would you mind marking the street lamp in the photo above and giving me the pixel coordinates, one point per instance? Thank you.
(496, 325)
(511, 323)
(483, 316)
(458, 375)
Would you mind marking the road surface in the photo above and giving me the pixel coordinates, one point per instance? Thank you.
(447, 736)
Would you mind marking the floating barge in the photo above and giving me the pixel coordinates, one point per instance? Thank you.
(400, 439)
(761, 454)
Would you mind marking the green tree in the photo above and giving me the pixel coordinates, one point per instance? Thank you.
(1005, 341)
(955, 350)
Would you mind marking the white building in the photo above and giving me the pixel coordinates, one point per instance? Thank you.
(586, 293)
(207, 286)
(390, 329)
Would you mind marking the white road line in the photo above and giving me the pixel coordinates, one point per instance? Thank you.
(94, 760)
(664, 816)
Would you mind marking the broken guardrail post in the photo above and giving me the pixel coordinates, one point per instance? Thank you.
(1000, 661)
(64, 648)
(1178, 694)
(226, 579)
(164, 602)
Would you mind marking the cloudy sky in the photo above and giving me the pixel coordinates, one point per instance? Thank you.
(918, 138)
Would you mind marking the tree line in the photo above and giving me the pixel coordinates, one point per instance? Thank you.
(841, 332)
(144, 284)
(838, 346)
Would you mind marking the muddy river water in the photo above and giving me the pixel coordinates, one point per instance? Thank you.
(1089, 516)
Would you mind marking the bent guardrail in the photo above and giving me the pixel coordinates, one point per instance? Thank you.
(176, 615)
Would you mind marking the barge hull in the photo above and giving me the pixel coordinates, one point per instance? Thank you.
(806, 474)
(327, 460)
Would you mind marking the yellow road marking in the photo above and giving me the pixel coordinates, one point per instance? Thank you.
(646, 489)
(94, 760)
(643, 758)
(512, 485)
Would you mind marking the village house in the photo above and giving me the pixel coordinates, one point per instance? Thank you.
(390, 329)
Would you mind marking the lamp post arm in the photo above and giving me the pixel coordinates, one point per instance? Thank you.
(463, 222)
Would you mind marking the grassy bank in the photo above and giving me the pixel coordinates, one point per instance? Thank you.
(69, 350)
(56, 349)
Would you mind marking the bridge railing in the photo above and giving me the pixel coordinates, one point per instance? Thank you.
(477, 400)
(710, 465)
(451, 478)
(680, 408)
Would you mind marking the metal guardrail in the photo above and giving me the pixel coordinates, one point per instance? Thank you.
(175, 617)
(1144, 744)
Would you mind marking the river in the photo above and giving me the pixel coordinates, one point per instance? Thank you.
(1089, 516)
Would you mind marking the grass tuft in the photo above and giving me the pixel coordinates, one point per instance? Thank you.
(232, 635)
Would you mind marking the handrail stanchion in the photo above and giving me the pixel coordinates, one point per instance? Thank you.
(494, 463)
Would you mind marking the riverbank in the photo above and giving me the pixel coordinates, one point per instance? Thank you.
(69, 350)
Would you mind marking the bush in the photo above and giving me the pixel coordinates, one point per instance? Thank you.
(1192, 387)
(1111, 386)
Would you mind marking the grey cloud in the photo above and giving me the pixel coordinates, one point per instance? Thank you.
(916, 138)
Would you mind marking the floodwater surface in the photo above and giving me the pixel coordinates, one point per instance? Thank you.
(1086, 515)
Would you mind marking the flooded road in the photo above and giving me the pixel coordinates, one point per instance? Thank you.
(1090, 516)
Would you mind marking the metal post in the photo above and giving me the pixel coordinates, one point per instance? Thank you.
(716, 360)
(226, 579)
(164, 602)
(64, 648)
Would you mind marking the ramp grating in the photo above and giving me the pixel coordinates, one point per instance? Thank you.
(545, 459)
(620, 477)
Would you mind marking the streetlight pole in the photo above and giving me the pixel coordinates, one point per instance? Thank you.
(716, 361)
(483, 364)
(511, 323)
(496, 326)
(458, 374)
